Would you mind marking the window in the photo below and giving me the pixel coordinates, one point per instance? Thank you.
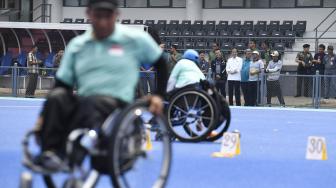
(121, 3)
(71, 3)
(232, 3)
(179, 3)
(84, 2)
(257, 3)
(211, 3)
(159, 3)
(283, 3)
(308, 3)
(136, 3)
(329, 3)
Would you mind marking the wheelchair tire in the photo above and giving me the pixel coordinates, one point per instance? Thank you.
(192, 114)
(120, 165)
(224, 119)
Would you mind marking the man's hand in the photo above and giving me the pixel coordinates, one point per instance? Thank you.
(155, 104)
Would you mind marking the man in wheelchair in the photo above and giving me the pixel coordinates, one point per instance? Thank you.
(194, 105)
(102, 65)
(186, 72)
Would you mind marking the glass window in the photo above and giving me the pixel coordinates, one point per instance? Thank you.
(179, 3)
(257, 3)
(136, 3)
(232, 3)
(308, 3)
(84, 2)
(121, 3)
(71, 3)
(159, 3)
(211, 3)
(329, 3)
(283, 3)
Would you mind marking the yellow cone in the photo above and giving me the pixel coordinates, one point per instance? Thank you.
(149, 145)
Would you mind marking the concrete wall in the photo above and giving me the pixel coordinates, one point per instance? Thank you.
(313, 15)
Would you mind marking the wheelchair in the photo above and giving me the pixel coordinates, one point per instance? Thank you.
(197, 113)
(118, 149)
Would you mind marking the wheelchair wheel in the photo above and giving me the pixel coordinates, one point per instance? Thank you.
(224, 119)
(131, 162)
(192, 115)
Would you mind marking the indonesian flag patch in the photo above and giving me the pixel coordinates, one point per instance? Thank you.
(116, 50)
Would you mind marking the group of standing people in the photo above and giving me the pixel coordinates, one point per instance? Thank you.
(321, 63)
(244, 74)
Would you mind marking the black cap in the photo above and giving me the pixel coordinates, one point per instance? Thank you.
(306, 46)
(103, 4)
(174, 46)
(330, 47)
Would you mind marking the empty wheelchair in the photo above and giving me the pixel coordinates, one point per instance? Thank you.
(122, 149)
(197, 113)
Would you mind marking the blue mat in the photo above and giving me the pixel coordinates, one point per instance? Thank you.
(273, 147)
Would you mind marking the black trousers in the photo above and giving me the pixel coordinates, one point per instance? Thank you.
(220, 85)
(274, 89)
(234, 87)
(253, 93)
(306, 83)
(63, 112)
(32, 83)
(244, 87)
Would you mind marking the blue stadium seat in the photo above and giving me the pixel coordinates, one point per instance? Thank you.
(173, 25)
(127, 21)
(48, 63)
(22, 61)
(138, 22)
(67, 20)
(260, 26)
(198, 25)
(161, 25)
(210, 25)
(235, 26)
(273, 26)
(150, 23)
(248, 26)
(222, 26)
(300, 28)
(186, 24)
(79, 20)
(6, 61)
(286, 25)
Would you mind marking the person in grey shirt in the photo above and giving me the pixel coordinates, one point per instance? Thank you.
(329, 62)
(273, 84)
(33, 70)
(256, 67)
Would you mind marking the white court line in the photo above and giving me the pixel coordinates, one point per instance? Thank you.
(21, 99)
(284, 109)
(232, 107)
(20, 106)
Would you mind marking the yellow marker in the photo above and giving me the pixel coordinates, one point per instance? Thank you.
(238, 147)
(316, 148)
(149, 145)
(222, 155)
(324, 152)
(230, 146)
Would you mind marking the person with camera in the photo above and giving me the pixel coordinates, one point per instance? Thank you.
(33, 70)
(304, 60)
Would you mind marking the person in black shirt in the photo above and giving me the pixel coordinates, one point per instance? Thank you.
(218, 67)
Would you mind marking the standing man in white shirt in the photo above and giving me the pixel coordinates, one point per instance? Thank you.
(233, 68)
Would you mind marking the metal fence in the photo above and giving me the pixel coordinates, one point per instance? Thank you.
(315, 91)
